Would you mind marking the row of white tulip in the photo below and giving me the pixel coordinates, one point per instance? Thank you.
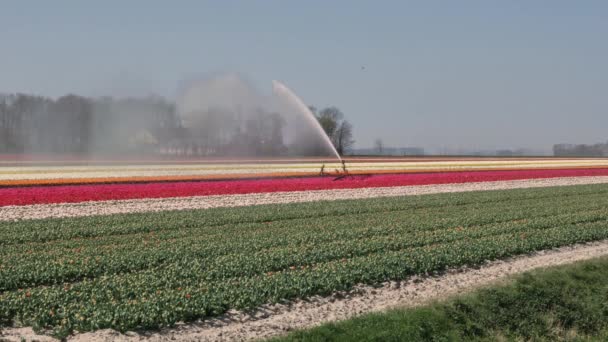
(39, 211)
(180, 170)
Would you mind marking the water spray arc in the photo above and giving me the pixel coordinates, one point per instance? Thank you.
(225, 115)
(280, 89)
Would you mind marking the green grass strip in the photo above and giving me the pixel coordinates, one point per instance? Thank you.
(565, 303)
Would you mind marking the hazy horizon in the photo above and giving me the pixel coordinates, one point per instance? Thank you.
(470, 75)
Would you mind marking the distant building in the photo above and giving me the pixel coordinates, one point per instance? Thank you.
(390, 151)
(580, 150)
(409, 151)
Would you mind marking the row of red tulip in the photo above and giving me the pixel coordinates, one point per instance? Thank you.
(82, 193)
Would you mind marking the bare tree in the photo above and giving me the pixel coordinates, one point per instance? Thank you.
(339, 130)
(313, 110)
(74, 124)
(344, 137)
(330, 118)
(4, 123)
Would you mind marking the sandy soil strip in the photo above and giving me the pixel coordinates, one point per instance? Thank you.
(70, 172)
(277, 319)
(293, 164)
(39, 211)
(114, 179)
(42, 160)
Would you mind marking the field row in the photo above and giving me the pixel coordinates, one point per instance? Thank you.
(22, 176)
(22, 170)
(153, 270)
(83, 193)
(40, 211)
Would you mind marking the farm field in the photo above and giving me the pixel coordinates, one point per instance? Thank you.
(85, 248)
(303, 171)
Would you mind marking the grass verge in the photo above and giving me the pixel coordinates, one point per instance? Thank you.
(560, 303)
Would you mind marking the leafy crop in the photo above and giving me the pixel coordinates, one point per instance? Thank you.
(153, 270)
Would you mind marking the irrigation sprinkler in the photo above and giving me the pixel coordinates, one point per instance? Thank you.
(344, 173)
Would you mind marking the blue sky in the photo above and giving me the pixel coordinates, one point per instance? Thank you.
(459, 74)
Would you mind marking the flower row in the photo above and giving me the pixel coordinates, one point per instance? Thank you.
(101, 192)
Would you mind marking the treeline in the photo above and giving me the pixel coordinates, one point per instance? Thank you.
(74, 124)
(259, 132)
(581, 150)
(80, 125)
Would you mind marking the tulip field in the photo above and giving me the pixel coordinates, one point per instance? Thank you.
(145, 246)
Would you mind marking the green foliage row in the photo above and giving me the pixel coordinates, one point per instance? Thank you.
(149, 271)
(47, 230)
(308, 240)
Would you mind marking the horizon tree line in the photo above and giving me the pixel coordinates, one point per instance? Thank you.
(78, 125)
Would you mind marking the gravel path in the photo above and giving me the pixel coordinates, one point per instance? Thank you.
(272, 320)
(39, 211)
